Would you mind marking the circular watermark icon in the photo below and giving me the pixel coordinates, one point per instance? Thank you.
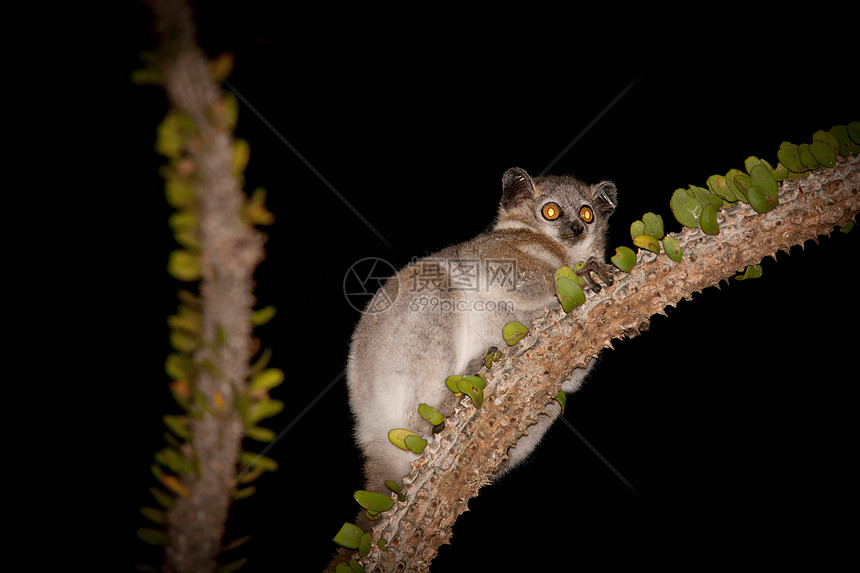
(363, 281)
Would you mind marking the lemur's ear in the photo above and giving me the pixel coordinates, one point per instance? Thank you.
(605, 195)
(517, 186)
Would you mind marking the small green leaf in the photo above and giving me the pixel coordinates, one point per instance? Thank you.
(260, 434)
(184, 265)
(823, 153)
(789, 155)
(569, 293)
(476, 381)
(648, 243)
(847, 228)
(672, 248)
(854, 131)
(637, 227)
(258, 461)
(571, 273)
(393, 486)
(398, 437)
(178, 425)
(846, 145)
(430, 414)
(751, 272)
(624, 258)
(653, 225)
(562, 399)
(364, 544)
(451, 383)
(267, 379)
(153, 536)
(513, 332)
(262, 316)
(708, 220)
(356, 567)
(751, 162)
(415, 444)
(736, 179)
(762, 178)
(154, 515)
(806, 157)
(244, 492)
(236, 543)
(373, 501)
(163, 498)
(828, 138)
(760, 201)
(720, 187)
(780, 172)
(471, 387)
(349, 536)
(233, 566)
(685, 207)
(263, 409)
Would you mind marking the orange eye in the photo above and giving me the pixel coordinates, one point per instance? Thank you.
(551, 211)
(586, 214)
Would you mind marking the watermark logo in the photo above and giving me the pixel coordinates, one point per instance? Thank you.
(363, 281)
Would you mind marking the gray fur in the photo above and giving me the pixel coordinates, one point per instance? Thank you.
(400, 356)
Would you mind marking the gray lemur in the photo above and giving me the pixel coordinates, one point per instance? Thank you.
(440, 315)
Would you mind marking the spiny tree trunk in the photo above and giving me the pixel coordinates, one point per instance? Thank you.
(474, 441)
(230, 250)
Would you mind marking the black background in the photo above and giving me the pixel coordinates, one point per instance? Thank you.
(732, 418)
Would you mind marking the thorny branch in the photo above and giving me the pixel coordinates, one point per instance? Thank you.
(229, 253)
(475, 441)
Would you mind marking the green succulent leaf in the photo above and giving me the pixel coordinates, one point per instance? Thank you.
(451, 383)
(364, 544)
(267, 379)
(672, 248)
(738, 188)
(806, 157)
(854, 131)
(751, 272)
(653, 225)
(562, 399)
(153, 536)
(473, 387)
(398, 437)
(708, 220)
(415, 444)
(846, 145)
(513, 332)
(823, 153)
(762, 178)
(430, 414)
(789, 155)
(349, 536)
(262, 316)
(373, 501)
(760, 201)
(624, 258)
(184, 265)
(637, 227)
(720, 187)
(571, 273)
(393, 486)
(647, 242)
(569, 293)
(685, 207)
